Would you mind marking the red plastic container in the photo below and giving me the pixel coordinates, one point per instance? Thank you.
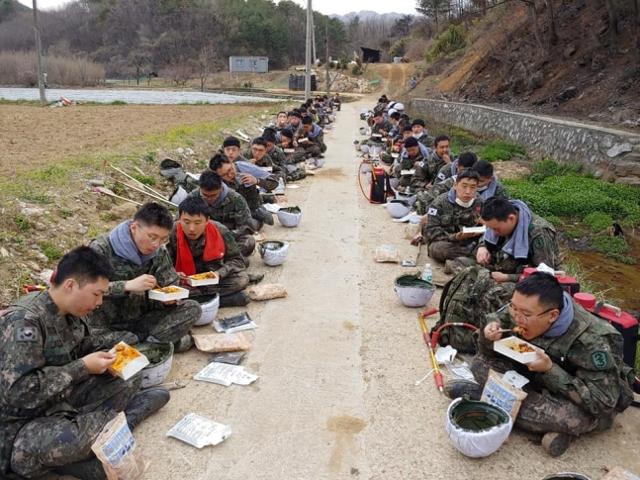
(623, 321)
(569, 284)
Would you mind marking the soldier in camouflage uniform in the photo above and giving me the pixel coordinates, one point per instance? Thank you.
(259, 155)
(489, 186)
(275, 153)
(578, 383)
(407, 165)
(246, 184)
(229, 208)
(226, 259)
(419, 132)
(425, 197)
(515, 238)
(55, 397)
(315, 145)
(379, 126)
(295, 156)
(427, 171)
(447, 216)
(135, 250)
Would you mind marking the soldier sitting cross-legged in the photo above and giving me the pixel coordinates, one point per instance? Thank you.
(578, 381)
(55, 397)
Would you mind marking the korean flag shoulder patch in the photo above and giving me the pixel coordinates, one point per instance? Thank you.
(432, 211)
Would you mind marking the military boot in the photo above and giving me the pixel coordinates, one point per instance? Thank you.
(239, 299)
(457, 388)
(256, 277)
(555, 444)
(144, 404)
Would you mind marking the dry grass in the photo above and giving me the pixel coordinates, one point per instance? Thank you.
(19, 68)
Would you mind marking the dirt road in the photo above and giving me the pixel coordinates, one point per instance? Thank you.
(338, 361)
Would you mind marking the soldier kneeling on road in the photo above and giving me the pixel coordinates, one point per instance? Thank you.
(578, 383)
(55, 397)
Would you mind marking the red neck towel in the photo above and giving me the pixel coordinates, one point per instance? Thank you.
(214, 249)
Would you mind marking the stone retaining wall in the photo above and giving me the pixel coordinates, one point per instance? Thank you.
(606, 152)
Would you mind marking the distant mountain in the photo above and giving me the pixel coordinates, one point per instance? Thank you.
(366, 15)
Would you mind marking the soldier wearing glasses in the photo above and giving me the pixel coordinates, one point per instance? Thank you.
(578, 383)
(136, 251)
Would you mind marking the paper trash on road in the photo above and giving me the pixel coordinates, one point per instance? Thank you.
(221, 342)
(199, 431)
(446, 354)
(116, 449)
(225, 374)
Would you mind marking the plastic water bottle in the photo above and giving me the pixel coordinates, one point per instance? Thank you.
(427, 273)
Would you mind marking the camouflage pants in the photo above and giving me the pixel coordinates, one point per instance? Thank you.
(232, 283)
(295, 173)
(314, 150)
(443, 250)
(166, 323)
(247, 244)
(541, 412)
(65, 436)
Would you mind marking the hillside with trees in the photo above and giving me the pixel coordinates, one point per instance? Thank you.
(173, 38)
(579, 58)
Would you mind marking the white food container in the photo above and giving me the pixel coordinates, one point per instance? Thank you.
(408, 172)
(506, 347)
(206, 281)
(156, 294)
(132, 366)
(289, 150)
(478, 229)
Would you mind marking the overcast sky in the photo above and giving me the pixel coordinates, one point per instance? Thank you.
(324, 6)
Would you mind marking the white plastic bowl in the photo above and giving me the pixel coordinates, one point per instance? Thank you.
(289, 219)
(156, 373)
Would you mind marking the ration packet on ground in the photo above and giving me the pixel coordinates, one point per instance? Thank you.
(267, 291)
(115, 447)
(232, 358)
(199, 431)
(237, 323)
(225, 374)
(505, 391)
(221, 342)
(386, 253)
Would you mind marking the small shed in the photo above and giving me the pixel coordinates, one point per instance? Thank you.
(369, 55)
(248, 64)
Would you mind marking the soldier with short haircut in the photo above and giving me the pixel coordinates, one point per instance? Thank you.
(515, 238)
(407, 165)
(578, 382)
(55, 394)
(427, 170)
(425, 197)
(245, 178)
(447, 216)
(488, 186)
(198, 245)
(229, 208)
(136, 251)
(315, 145)
(420, 133)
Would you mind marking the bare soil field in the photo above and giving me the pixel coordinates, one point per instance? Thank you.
(34, 137)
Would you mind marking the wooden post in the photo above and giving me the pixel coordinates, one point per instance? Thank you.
(36, 28)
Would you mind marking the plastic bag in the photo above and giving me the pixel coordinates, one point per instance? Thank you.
(199, 431)
(221, 342)
(268, 291)
(386, 253)
(225, 374)
(115, 447)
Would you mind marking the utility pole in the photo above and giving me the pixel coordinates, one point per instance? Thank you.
(307, 66)
(327, 59)
(314, 56)
(36, 28)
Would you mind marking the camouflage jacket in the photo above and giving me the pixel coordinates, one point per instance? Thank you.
(425, 139)
(445, 219)
(41, 354)
(278, 158)
(232, 261)
(543, 247)
(233, 213)
(405, 162)
(447, 170)
(382, 127)
(426, 172)
(587, 360)
(119, 303)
